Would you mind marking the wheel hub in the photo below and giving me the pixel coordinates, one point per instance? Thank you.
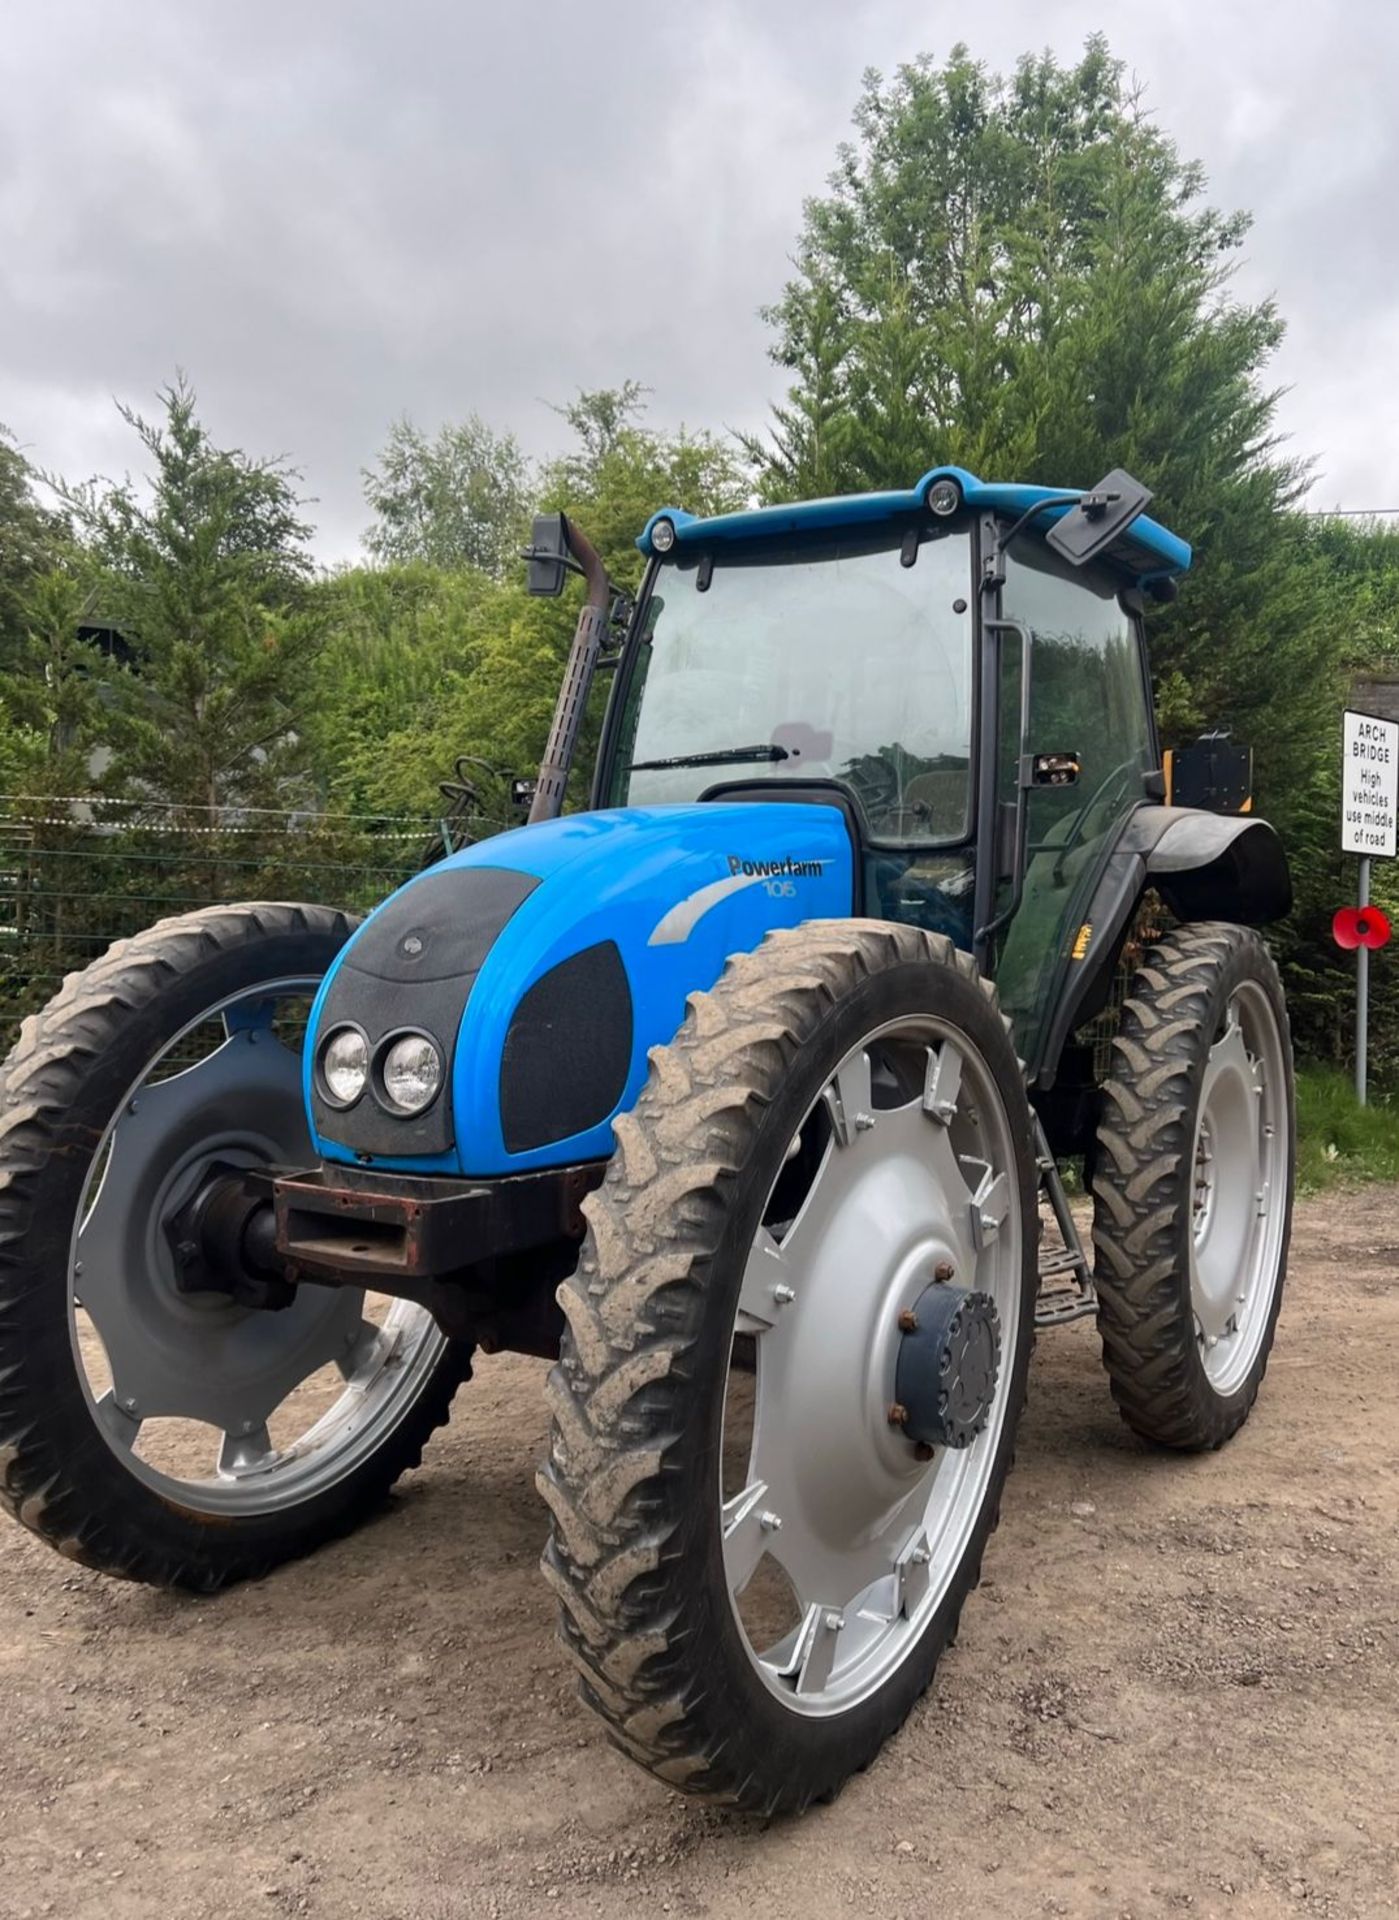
(223, 1240)
(200, 1354)
(948, 1362)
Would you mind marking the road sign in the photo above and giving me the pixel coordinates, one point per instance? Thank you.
(1370, 786)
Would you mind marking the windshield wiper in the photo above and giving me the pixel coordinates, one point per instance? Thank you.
(722, 757)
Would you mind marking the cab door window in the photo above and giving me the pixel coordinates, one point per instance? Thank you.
(1087, 698)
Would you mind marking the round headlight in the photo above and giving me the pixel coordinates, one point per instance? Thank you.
(412, 1073)
(344, 1066)
(945, 497)
(663, 536)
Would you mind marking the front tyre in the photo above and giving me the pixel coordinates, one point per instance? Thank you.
(1193, 1186)
(176, 1434)
(794, 1363)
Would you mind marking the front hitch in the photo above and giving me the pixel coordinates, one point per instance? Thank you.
(335, 1224)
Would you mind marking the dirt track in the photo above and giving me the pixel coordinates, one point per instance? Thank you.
(1176, 1692)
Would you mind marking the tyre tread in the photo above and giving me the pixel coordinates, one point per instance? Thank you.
(634, 1313)
(1146, 1132)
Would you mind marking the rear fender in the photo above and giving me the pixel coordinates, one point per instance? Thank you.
(1205, 866)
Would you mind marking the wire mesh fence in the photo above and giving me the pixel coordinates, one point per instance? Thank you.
(80, 871)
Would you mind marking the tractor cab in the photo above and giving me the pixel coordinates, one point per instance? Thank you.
(960, 669)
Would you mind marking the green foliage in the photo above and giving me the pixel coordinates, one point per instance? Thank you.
(422, 666)
(1339, 1142)
(425, 664)
(52, 683)
(457, 500)
(621, 472)
(34, 711)
(32, 537)
(1014, 275)
(205, 573)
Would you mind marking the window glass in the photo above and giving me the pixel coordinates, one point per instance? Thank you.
(1087, 698)
(831, 662)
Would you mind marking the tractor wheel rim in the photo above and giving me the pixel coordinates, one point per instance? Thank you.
(815, 1480)
(1241, 1177)
(234, 1370)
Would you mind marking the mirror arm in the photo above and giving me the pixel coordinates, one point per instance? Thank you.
(565, 560)
(992, 574)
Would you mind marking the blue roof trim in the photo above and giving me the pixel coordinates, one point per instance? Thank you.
(1147, 549)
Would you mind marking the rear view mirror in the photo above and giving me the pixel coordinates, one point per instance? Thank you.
(548, 554)
(1098, 518)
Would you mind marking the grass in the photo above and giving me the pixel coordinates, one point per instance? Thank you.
(1339, 1142)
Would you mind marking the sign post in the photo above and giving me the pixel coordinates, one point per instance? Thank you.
(1369, 818)
(1362, 993)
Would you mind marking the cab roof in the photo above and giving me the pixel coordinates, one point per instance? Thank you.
(1145, 550)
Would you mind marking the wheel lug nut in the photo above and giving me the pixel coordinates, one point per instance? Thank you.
(897, 1414)
(908, 1321)
(770, 1522)
(782, 1293)
(944, 1271)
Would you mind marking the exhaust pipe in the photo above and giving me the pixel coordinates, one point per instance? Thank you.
(588, 640)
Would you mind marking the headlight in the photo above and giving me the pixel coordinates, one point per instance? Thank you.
(411, 1073)
(945, 497)
(344, 1066)
(663, 536)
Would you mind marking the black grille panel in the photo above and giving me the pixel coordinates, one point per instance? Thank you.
(568, 1050)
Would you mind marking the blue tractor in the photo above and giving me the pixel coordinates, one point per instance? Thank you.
(741, 1095)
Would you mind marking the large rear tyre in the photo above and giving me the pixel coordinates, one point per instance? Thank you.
(795, 1358)
(179, 1436)
(1193, 1186)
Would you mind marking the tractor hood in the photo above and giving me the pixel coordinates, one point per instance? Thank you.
(546, 962)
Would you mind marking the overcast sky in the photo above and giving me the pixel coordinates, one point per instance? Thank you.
(330, 212)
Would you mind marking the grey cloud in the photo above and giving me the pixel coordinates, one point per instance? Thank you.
(331, 211)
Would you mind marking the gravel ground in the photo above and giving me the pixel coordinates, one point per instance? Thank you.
(1175, 1693)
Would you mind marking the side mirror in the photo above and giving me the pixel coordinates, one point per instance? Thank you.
(549, 554)
(1098, 518)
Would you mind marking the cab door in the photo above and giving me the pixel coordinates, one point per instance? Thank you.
(1089, 699)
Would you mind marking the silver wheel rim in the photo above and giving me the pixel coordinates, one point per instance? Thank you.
(1240, 1186)
(867, 1536)
(283, 1427)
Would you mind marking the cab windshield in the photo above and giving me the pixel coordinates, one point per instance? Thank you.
(830, 662)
